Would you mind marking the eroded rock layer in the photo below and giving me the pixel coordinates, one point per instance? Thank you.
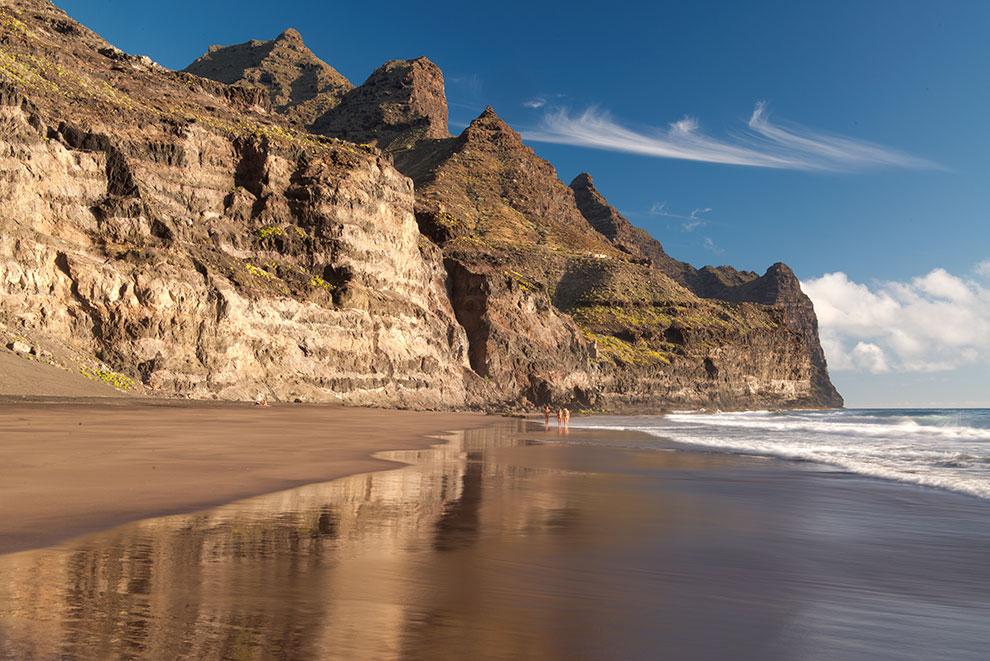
(188, 236)
(563, 299)
(200, 248)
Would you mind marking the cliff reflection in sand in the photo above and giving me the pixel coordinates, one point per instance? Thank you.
(296, 574)
(493, 547)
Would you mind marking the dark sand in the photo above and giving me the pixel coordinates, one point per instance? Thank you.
(71, 467)
(492, 547)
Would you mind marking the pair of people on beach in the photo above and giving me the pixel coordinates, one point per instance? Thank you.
(563, 416)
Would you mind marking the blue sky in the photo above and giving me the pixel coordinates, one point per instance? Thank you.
(910, 78)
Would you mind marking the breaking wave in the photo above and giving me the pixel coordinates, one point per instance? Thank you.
(944, 448)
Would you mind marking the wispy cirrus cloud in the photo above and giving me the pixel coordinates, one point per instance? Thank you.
(534, 103)
(688, 222)
(712, 247)
(761, 143)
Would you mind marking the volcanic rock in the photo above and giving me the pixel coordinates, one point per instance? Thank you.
(204, 249)
(299, 84)
(525, 253)
(185, 234)
(402, 102)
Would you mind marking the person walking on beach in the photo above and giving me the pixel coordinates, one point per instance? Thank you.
(567, 417)
(546, 416)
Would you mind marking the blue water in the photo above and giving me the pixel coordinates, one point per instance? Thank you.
(944, 448)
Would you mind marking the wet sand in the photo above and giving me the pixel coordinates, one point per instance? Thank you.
(505, 543)
(75, 466)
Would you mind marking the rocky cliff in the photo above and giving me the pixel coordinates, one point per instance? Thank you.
(180, 242)
(263, 228)
(562, 298)
(778, 287)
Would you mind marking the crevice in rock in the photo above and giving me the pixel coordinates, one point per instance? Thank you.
(120, 177)
(710, 369)
(252, 171)
(339, 279)
(62, 263)
(468, 293)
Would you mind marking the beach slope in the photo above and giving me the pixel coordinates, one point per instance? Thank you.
(71, 467)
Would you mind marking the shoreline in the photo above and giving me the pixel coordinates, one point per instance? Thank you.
(493, 536)
(41, 499)
(70, 467)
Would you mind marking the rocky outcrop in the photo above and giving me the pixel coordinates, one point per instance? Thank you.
(299, 84)
(185, 237)
(624, 235)
(628, 331)
(401, 103)
(184, 246)
(488, 186)
(778, 287)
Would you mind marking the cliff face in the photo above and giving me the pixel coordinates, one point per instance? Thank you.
(187, 237)
(627, 330)
(778, 287)
(170, 237)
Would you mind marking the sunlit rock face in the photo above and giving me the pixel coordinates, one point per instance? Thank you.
(401, 103)
(184, 236)
(293, 81)
(159, 228)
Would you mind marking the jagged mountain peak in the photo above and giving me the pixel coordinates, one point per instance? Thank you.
(300, 84)
(624, 235)
(488, 122)
(291, 36)
(401, 103)
(488, 185)
(583, 180)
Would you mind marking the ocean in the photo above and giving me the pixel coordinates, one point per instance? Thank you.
(943, 448)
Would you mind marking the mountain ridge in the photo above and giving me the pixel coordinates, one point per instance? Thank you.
(225, 238)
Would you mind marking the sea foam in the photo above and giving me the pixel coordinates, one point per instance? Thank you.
(944, 448)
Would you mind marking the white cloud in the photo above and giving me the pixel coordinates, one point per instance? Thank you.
(688, 222)
(983, 268)
(711, 246)
(871, 357)
(934, 322)
(535, 103)
(761, 144)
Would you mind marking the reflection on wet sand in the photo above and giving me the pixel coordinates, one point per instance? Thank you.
(489, 546)
(295, 574)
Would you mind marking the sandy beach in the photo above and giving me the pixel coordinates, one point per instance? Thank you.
(68, 467)
(507, 542)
